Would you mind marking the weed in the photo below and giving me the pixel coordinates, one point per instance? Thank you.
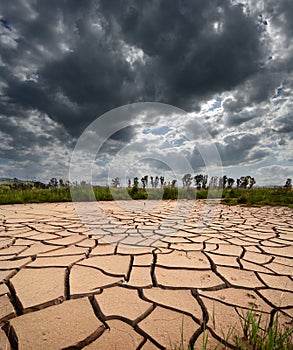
(205, 338)
(272, 337)
(254, 337)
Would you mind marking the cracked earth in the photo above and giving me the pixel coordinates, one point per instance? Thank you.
(141, 275)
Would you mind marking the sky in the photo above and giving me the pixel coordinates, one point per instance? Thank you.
(201, 80)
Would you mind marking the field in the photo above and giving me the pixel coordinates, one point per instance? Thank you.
(126, 275)
(248, 197)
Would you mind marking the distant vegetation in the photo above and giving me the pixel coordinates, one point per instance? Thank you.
(17, 191)
(259, 197)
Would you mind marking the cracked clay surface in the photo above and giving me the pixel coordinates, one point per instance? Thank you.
(132, 278)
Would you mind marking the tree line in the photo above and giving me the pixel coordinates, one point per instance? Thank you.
(199, 181)
(26, 185)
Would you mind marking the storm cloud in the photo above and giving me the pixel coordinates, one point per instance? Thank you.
(64, 63)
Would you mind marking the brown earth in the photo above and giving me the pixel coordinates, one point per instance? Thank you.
(139, 275)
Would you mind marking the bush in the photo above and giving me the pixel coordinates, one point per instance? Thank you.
(170, 192)
(242, 199)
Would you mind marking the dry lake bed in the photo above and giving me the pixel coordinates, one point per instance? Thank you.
(139, 274)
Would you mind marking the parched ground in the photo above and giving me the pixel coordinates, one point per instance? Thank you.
(139, 275)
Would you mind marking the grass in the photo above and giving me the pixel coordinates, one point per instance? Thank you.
(253, 337)
(247, 197)
(15, 196)
(272, 337)
(259, 197)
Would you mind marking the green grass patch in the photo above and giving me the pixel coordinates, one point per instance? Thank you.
(15, 196)
(259, 197)
(247, 197)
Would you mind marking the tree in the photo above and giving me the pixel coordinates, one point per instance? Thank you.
(230, 182)
(135, 182)
(134, 189)
(156, 181)
(162, 179)
(187, 180)
(67, 183)
(238, 182)
(39, 184)
(173, 183)
(245, 181)
(225, 181)
(251, 181)
(143, 182)
(204, 181)
(115, 182)
(152, 182)
(198, 179)
(53, 182)
(288, 184)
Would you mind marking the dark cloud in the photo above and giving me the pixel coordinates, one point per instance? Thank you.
(236, 119)
(116, 142)
(92, 76)
(221, 48)
(239, 149)
(72, 61)
(281, 13)
(30, 140)
(124, 134)
(192, 48)
(285, 126)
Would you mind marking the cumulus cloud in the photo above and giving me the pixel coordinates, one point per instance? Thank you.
(274, 174)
